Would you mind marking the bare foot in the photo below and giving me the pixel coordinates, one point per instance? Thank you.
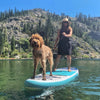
(50, 74)
(55, 69)
(69, 70)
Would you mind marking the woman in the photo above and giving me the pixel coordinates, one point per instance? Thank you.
(64, 45)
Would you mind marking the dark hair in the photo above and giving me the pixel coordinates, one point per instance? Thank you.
(63, 27)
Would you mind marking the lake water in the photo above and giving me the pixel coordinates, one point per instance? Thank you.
(13, 73)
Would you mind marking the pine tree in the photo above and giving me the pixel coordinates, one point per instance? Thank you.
(38, 29)
(12, 44)
(1, 42)
(25, 28)
(49, 31)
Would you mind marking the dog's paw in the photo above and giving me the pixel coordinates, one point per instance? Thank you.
(44, 79)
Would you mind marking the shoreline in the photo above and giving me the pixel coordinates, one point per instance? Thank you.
(54, 58)
(16, 58)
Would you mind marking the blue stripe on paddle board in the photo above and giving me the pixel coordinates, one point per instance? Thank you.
(62, 73)
(45, 84)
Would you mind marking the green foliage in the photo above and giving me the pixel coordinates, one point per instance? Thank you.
(91, 22)
(1, 43)
(48, 31)
(24, 43)
(12, 44)
(75, 52)
(28, 29)
(76, 30)
(46, 26)
(85, 56)
(12, 13)
(14, 53)
(24, 55)
(2, 39)
(84, 19)
(38, 28)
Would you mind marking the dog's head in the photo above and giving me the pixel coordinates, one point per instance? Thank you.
(36, 41)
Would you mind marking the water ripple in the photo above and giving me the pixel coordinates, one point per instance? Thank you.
(93, 84)
(97, 79)
(91, 87)
(92, 93)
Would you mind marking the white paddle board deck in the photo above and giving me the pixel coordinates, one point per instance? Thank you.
(60, 77)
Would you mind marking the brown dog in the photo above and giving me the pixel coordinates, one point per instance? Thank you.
(41, 53)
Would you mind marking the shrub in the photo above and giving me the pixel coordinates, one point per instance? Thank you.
(14, 53)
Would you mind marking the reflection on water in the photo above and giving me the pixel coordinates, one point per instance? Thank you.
(46, 94)
(13, 73)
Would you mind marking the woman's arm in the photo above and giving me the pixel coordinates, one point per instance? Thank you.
(70, 33)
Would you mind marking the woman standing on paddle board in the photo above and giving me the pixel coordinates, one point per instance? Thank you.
(64, 46)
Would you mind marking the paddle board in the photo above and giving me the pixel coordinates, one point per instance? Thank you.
(60, 77)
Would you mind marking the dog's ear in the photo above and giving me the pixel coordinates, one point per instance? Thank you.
(41, 42)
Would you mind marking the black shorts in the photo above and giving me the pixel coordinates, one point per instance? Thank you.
(65, 48)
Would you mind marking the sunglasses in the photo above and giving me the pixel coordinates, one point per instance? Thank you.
(65, 22)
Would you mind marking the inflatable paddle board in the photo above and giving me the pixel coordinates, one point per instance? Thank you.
(60, 77)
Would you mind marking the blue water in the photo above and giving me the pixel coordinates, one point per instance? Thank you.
(13, 73)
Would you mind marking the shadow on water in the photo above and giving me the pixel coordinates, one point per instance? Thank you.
(39, 94)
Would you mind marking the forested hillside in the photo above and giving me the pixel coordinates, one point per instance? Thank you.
(16, 27)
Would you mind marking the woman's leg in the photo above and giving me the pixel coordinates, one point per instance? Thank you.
(57, 62)
(69, 62)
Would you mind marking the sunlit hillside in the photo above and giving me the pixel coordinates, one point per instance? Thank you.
(16, 27)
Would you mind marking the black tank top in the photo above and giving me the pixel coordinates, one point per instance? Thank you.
(62, 37)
